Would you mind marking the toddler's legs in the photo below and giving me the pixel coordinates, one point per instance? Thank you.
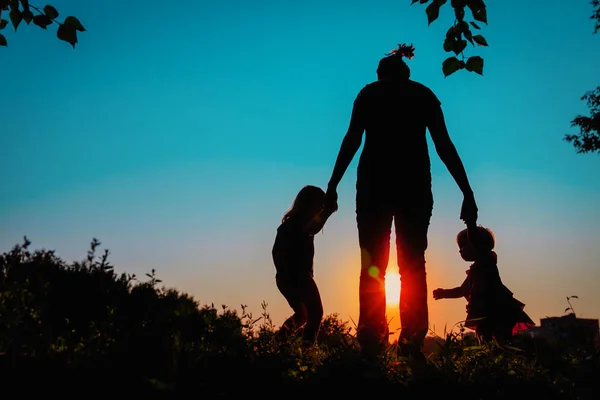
(484, 330)
(503, 333)
(488, 330)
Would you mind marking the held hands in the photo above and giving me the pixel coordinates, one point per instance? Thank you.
(331, 198)
(438, 294)
(468, 211)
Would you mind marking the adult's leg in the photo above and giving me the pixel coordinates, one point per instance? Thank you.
(374, 230)
(411, 225)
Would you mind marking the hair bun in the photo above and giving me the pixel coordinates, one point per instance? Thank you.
(403, 50)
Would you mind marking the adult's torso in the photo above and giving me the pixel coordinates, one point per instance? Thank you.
(395, 156)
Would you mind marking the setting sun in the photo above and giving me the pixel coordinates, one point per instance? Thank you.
(392, 288)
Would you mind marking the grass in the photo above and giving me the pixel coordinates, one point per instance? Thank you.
(80, 329)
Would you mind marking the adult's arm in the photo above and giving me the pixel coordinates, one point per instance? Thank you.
(350, 144)
(447, 152)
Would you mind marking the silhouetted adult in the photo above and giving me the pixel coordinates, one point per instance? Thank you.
(394, 184)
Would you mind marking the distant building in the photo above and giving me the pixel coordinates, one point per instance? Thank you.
(570, 330)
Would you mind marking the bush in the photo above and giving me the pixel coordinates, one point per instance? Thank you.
(82, 328)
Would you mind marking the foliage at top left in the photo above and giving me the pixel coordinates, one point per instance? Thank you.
(21, 11)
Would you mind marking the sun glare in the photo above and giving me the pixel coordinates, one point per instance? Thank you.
(392, 288)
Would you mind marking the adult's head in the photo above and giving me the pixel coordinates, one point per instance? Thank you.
(392, 66)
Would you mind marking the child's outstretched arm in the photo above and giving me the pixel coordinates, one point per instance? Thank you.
(317, 223)
(454, 293)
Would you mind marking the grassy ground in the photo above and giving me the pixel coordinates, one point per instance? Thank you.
(81, 330)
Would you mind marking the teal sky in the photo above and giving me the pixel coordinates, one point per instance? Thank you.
(178, 136)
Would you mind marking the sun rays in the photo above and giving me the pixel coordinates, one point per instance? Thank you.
(392, 288)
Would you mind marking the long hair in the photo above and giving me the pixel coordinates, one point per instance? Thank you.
(393, 65)
(306, 197)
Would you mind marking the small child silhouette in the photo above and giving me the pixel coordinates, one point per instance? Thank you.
(492, 311)
(293, 253)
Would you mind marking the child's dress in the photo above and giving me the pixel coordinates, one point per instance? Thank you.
(488, 298)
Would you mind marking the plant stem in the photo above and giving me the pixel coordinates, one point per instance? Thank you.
(43, 13)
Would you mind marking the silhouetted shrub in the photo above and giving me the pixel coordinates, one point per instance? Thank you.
(75, 328)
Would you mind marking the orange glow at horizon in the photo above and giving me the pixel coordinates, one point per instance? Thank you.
(345, 272)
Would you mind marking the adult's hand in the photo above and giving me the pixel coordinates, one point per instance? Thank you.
(468, 211)
(331, 200)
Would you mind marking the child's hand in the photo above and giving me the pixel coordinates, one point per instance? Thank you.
(438, 294)
(331, 201)
(328, 209)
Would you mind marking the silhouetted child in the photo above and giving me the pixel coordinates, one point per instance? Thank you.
(293, 253)
(492, 311)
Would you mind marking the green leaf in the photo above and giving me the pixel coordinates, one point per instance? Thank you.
(3, 24)
(474, 25)
(480, 14)
(463, 28)
(458, 46)
(450, 66)
(459, 12)
(433, 12)
(475, 64)
(16, 17)
(50, 12)
(27, 16)
(475, 4)
(42, 20)
(452, 32)
(448, 44)
(68, 33)
(423, 1)
(468, 35)
(3, 41)
(440, 2)
(74, 22)
(480, 40)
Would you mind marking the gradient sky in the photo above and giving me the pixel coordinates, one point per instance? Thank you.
(178, 136)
